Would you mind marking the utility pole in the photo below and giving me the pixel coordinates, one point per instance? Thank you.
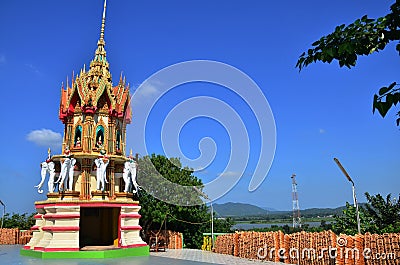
(354, 192)
(4, 212)
(212, 213)
(295, 199)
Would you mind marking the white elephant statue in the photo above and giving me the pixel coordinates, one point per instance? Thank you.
(47, 167)
(129, 176)
(67, 174)
(101, 172)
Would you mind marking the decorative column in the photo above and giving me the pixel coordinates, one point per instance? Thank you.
(87, 135)
(69, 125)
(85, 188)
(123, 139)
(111, 135)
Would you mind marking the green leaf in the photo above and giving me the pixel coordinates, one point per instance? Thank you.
(389, 99)
(383, 90)
(364, 18)
(316, 43)
(329, 51)
(382, 108)
(375, 101)
(392, 85)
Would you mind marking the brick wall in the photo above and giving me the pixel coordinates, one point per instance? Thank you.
(12, 236)
(323, 248)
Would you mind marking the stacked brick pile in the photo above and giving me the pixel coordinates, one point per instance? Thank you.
(253, 244)
(174, 240)
(12, 236)
(225, 244)
(303, 248)
(24, 237)
(250, 244)
(9, 236)
(373, 249)
(310, 248)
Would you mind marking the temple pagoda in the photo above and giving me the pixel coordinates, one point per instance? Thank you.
(94, 211)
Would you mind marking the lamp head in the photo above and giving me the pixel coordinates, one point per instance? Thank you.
(343, 170)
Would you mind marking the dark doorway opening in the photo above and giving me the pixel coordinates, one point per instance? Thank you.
(98, 226)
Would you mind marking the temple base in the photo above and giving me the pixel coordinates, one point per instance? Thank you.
(71, 229)
(95, 254)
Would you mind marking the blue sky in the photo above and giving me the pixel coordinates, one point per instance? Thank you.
(320, 113)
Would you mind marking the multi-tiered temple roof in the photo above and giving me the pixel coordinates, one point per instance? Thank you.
(92, 90)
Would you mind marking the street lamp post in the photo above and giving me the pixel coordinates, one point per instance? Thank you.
(4, 212)
(212, 213)
(354, 192)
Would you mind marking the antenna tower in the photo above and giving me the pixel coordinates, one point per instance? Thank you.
(296, 208)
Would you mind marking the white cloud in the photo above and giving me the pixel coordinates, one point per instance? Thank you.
(147, 90)
(45, 137)
(230, 174)
(32, 68)
(322, 131)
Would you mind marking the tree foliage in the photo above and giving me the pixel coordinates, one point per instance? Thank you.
(384, 213)
(362, 37)
(378, 215)
(192, 221)
(21, 221)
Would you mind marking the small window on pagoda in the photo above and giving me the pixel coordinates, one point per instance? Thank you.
(118, 143)
(99, 136)
(78, 137)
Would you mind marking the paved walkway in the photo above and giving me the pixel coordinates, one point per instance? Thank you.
(208, 257)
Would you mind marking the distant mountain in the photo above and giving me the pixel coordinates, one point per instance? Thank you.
(231, 209)
(238, 209)
(314, 212)
(269, 209)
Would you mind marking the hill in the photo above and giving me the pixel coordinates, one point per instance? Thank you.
(314, 212)
(231, 209)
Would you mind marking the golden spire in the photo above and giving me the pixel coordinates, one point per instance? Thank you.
(103, 21)
(99, 67)
(100, 52)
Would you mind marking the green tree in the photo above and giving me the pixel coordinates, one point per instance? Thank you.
(346, 223)
(363, 37)
(376, 216)
(192, 221)
(223, 225)
(21, 221)
(384, 213)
